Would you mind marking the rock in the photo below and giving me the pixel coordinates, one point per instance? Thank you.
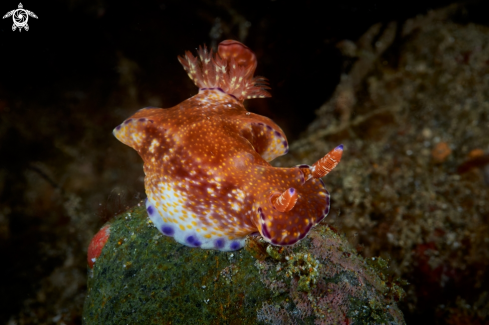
(143, 277)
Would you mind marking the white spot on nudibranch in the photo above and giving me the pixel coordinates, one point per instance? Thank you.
(153, 145)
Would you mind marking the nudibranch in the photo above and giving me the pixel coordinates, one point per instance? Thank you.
(208, 180)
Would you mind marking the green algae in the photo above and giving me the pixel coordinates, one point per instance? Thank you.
(143, 277)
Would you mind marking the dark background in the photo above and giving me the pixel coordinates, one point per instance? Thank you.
(84, 66)
(76, 44)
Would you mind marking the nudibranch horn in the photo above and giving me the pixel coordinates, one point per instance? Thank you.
(324, 165)
(284, 202)
(208, 180)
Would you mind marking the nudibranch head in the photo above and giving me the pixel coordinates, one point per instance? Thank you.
(208, 180)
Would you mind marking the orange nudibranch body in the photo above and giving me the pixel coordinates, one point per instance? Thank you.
(208, 180)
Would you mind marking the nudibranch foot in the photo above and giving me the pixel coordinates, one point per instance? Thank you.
(188, 235)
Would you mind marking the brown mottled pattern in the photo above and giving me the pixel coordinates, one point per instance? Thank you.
(212, 150)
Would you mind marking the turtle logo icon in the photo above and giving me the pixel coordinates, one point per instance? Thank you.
(20, 17)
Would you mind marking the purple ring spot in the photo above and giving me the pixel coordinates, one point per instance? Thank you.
(167, 230)
(127, 121)
(285, 144)
(193, 241)
(118, 127)
(269, 127)
(219, 243)
(235, 245)
(142, 120)
(278, 134)
(150, 210)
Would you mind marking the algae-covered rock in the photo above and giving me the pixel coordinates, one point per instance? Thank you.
(143, 277)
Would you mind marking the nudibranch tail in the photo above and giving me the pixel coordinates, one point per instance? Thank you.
(231, 70)
(324, 165)
(284, 202)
